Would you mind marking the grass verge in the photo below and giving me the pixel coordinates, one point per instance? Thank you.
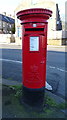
(12, 107)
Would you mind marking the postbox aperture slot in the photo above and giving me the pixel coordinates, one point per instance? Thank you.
(34, 29)
(34, 43)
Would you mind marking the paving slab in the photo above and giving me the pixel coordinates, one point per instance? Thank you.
(49, 47)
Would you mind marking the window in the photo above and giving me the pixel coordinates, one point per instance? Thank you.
(4, 24)
(0, 23)
(57, 22)
(18, 21)
(19, 32)
(10, 26)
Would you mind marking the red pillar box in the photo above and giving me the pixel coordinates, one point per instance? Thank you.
(34, 29)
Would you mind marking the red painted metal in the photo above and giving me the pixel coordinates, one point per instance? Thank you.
(34, 15)
(34, 22)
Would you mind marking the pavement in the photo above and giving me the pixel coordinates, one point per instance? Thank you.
(57, 48)
(57, 98)
(10, 46)
(49, 47)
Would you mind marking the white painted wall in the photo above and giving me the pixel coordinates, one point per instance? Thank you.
(57, 34)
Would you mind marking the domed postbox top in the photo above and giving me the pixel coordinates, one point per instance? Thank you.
(34, 15)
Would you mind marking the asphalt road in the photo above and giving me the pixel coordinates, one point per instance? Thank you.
(56, 70)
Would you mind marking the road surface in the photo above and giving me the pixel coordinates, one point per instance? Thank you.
(56, 70)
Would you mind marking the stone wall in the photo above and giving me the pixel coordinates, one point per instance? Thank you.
(57, 37)
(7, 38)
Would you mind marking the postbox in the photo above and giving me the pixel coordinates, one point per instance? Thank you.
(34, 46)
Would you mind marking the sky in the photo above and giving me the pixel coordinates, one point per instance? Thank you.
(10, 5)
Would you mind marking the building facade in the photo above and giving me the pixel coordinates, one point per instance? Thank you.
(6, 24)
(54, 23)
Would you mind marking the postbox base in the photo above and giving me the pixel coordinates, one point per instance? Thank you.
(33, 97)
